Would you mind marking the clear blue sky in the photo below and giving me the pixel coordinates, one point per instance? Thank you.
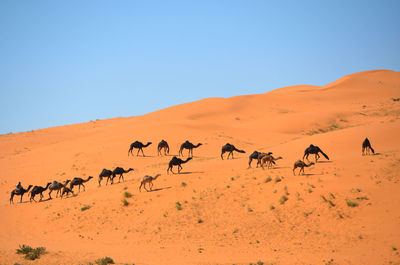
(64, 62)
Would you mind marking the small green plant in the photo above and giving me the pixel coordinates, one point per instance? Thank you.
(351, 204)
(31, 253)
(278, 179)
(200, 250)
(105, 261)
(125, 202)
(199, 221)
(249, 209)
(178, 206)
(271, 207)
(127, 194)
(362, 198)
(183, 184)
(283, 199)
(86, 207)
(394, 248)
(268, 179)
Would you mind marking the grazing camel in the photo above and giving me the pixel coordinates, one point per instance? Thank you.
(269, 160)
(119, 171)
(312, 149)
(163, 145)
(105, 173)
(38, 190)
(79, 182)
(148, 179)
(301, 164)
(257, 155)
(366, 147)
(177, 162)
(229, 148)
(21, 191)
(138, 145)
(57, 186)
(190, 146)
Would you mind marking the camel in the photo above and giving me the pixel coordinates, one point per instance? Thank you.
(120, 171)
(57, 186)
(21, 191)
(229, 148)
(366, 147)
(269, 160)
(79, 182)
(312, 149)
(38, 190)
(67, 191)
(138, 145)
(163, 145)
(301, 164)
(177, 162)
(105, 174)
(190, 146)
(257, 155)
(148, 179)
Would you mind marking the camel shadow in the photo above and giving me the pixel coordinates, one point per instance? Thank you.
(166, 188)
(376, 154)
(308, 174)
(280, 167)
(323, 162)
(189, 172)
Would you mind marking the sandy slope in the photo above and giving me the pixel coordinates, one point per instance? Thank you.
(234, 204)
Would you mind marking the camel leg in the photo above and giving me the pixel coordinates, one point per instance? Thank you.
(144, 186)
(140, 187)
(151, 185)
(142, 152)
(20, 201)
(316, 157)
(84, 188)
(41, 197)
(12, 197)
(50, 194)
(294, 173)
(179, 169)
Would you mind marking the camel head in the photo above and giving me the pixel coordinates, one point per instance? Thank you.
(156, 176)
(199, 144)
(90, 177)
(29, 187)
(48, 184)
(311, 163)
(279, 157)
(189, 158)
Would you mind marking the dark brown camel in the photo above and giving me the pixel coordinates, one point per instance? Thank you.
(366, 147)
(148, 179)
(229, 148)
(176, 162)
(163, 145)
(257, 155)
(21, 191)
(301, 165)
(79, 182)
(105, 173)
(190, 146)
(67, 191)
(58, 187)
(119, 171)
(138, 145)
(313, 149)
(38, 190)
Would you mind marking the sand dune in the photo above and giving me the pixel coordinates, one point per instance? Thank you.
(229, 214)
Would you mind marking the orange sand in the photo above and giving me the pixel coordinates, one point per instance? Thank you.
(234, 203)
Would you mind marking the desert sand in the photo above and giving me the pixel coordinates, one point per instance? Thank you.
(229, 214)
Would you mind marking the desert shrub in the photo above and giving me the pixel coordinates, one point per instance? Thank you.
(31, 253)
(105, 261)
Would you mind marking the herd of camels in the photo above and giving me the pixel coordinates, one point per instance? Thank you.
(263, 160)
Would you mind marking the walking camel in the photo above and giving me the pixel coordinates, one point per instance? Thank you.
(138, 145)
(163, 145)
(148, 179)
(119, 171)
(269, 160)
(190, 146)
(257, 155)
(79, 182)
(301, 165)
(366, 147)
(105, 173)
(229, 148)
(20, 192)
(313, 149)
(177, 162)
(38, 190)
(58, 187)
